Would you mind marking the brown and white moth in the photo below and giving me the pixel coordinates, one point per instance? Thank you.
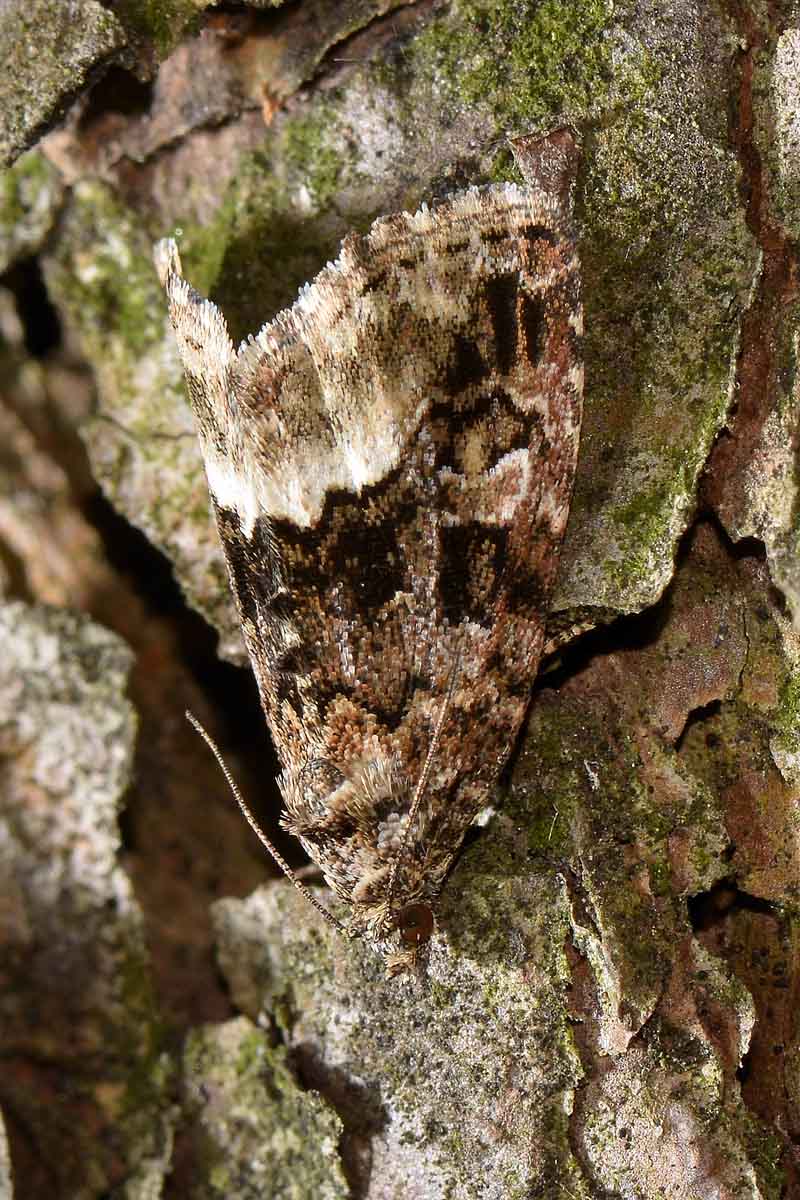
(391, 461)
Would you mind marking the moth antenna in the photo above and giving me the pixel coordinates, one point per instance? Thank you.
(259, 832)
(422, 782)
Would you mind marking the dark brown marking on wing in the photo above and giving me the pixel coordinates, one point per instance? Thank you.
(501, 300)
(472, 560)
(504, 427)
(252, 561)
(539, 233)
(533, 327)
(466, 365)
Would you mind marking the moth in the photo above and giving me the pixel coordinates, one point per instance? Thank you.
(390, 462)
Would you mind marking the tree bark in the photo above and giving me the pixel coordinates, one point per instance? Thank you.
(610, 1006)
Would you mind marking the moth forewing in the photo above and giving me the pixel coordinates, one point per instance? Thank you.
(391, 462)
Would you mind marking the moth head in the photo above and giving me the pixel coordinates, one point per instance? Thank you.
(406, 933)
(356, 820)
(414, 924)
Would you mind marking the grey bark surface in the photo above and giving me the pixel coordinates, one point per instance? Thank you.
(610, 1007)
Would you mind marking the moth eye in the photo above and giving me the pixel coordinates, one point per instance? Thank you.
(415, 923)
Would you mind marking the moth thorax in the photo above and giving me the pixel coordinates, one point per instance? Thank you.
(391, 833)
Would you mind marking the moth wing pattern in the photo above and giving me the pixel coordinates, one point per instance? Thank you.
(391, 463)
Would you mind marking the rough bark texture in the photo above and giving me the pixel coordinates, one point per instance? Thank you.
(612, 1002)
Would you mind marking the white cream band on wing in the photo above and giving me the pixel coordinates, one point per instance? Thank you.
(576, 321)
(296, 489)
(493, 496)
(515, 465)
(232, 489)
(576, 379)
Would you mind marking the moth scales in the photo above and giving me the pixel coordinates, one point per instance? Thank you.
(390, 462)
